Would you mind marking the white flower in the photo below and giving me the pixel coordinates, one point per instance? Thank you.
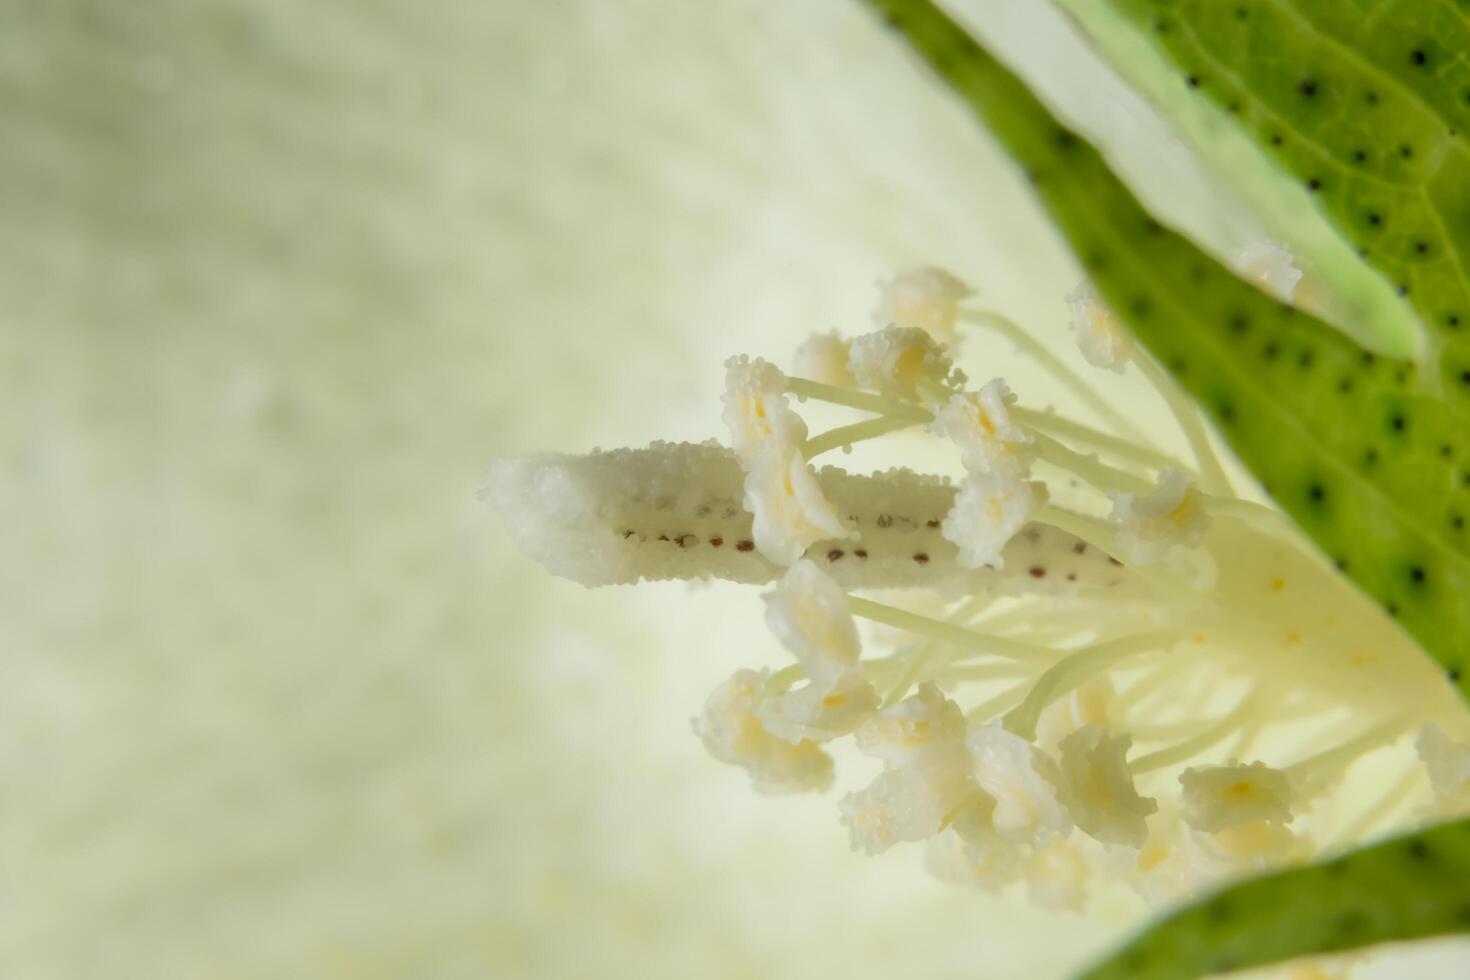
(1271, 265)
(980, 424)
(924, 298)
(988, 510)
(1022, 781)
(906, 803)
(827, 707)
(790, 512)
(1097, 787)
(1448, 763)
(807, 611)
(920, 728)
(762, 425)
(1150, 526)
(1219, 797)
(823, 357)
(732, 733)
(1100, 336)
(893, 360)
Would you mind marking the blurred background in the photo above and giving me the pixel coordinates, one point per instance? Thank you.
(277, 280)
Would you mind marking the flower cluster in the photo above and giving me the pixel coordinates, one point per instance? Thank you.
(1069, 776)
(1106, 665)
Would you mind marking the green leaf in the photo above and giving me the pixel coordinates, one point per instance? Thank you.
(1357, 300)
(1368, 104)
(1365, 452)
(1408, 888)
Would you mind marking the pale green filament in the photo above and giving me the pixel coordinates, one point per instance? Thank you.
(1005, 701)
(1096, 439)
(989, 672)
(847, 435)
(1076, 669)
(919, 659)
(805, 388)
(1212, 473)
(1038, 352)
(1377, 814)
(948, 632)
(1099, 474)
(1325, 767)
(1194, 745)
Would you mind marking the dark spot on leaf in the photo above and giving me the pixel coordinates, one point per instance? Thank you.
(1418, 57)
(1276, 139)
(1314, 184)
(1307, 88)
(1360, 156)
(1416, 574)
(1037, 571)
(1374, 218)
(835, 554)
(1406, 151)
(1317, 493)
(1240, 323)
(1370, 97)
(1418, 851)
(1193, 81)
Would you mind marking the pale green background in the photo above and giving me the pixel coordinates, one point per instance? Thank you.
(277, 279)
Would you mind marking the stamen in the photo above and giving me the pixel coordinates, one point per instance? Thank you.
(1038, 352)
(1367, 822)
(1212, 474)
(947, 632)
(1099, 474)
(986, 710)
(1065, 428)
(847, 435)
(1315, 773)
(1196, 744)
(1076, 669)
(806, 388)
